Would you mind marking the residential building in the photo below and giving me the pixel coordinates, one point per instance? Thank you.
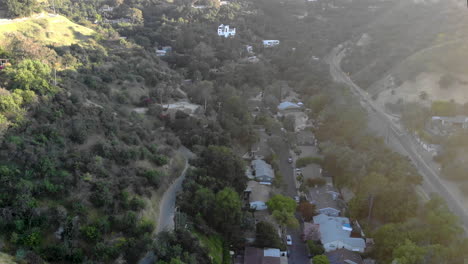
(257, 195)
(288, 106)
(106, 8)
(249, 49)
(335, 233)
(326, 200)
(456, 121)
(262, 171)
(264, 256)
(226, 31)
(163, 51)
(270, 43)
(344, 256)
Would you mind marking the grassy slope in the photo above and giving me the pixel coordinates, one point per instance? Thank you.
(214, 244)
(49, 29)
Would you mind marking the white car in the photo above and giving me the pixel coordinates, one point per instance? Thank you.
(296, 198)
(288, 240)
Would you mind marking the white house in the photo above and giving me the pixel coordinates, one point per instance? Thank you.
(225, 31)
(335, 233)
(271, 43)
(163, 51)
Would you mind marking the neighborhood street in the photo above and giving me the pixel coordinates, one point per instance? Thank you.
(397, 138)
(298, 250)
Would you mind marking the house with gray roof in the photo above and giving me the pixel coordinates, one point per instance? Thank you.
(262, 171)
(344, 256)
(264, 256)
(258, 194)
(335, 233)
(326, 200)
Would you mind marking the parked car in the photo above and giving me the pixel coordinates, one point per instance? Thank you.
(288, 240)
(296, 198)
(290, 160)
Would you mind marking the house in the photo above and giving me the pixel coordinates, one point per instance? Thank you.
(288, 106)
(270, 43)
(262, 171)
(335, 233)
(249, 49)
(225, 31)
(456, 121)
(106, 9)
(343, 256)
(163, 51)
(326, 200)
(257, 195)
(264, 256)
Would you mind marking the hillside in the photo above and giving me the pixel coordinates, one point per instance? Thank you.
(47, 28)
(404, 29)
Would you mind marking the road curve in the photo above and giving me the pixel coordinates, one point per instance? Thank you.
(431, 180)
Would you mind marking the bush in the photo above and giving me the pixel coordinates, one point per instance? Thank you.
(154, 177)
(302, 162)
(315, 248)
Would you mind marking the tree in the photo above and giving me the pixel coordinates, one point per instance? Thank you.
(267, 236)
(31, 75)
(135, 14)
(16, 8)
(447, 80)
(307, 210)
(315, 248)
(227, 213)
(320, 259)
(282, 203)
(409, 253)
(285, 219)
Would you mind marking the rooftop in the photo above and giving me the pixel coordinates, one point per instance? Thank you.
(262, 168)
(325, 196)
(287, 106)
(343, 256)
(259, 192)
(337, 229)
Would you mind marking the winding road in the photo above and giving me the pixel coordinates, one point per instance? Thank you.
(397, 138)
(167, 205)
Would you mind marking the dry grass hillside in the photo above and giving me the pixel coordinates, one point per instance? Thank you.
(47, 28)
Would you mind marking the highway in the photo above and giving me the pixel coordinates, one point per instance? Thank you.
(397, 138)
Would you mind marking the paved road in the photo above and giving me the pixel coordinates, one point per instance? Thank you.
(397, 138)
(298, 251)
(167, 205)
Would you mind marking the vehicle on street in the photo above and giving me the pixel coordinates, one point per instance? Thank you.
(290, 160)
(288, 240)
(296, 198)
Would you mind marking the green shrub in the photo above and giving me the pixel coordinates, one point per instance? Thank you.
(154, 177)
(315, 248)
